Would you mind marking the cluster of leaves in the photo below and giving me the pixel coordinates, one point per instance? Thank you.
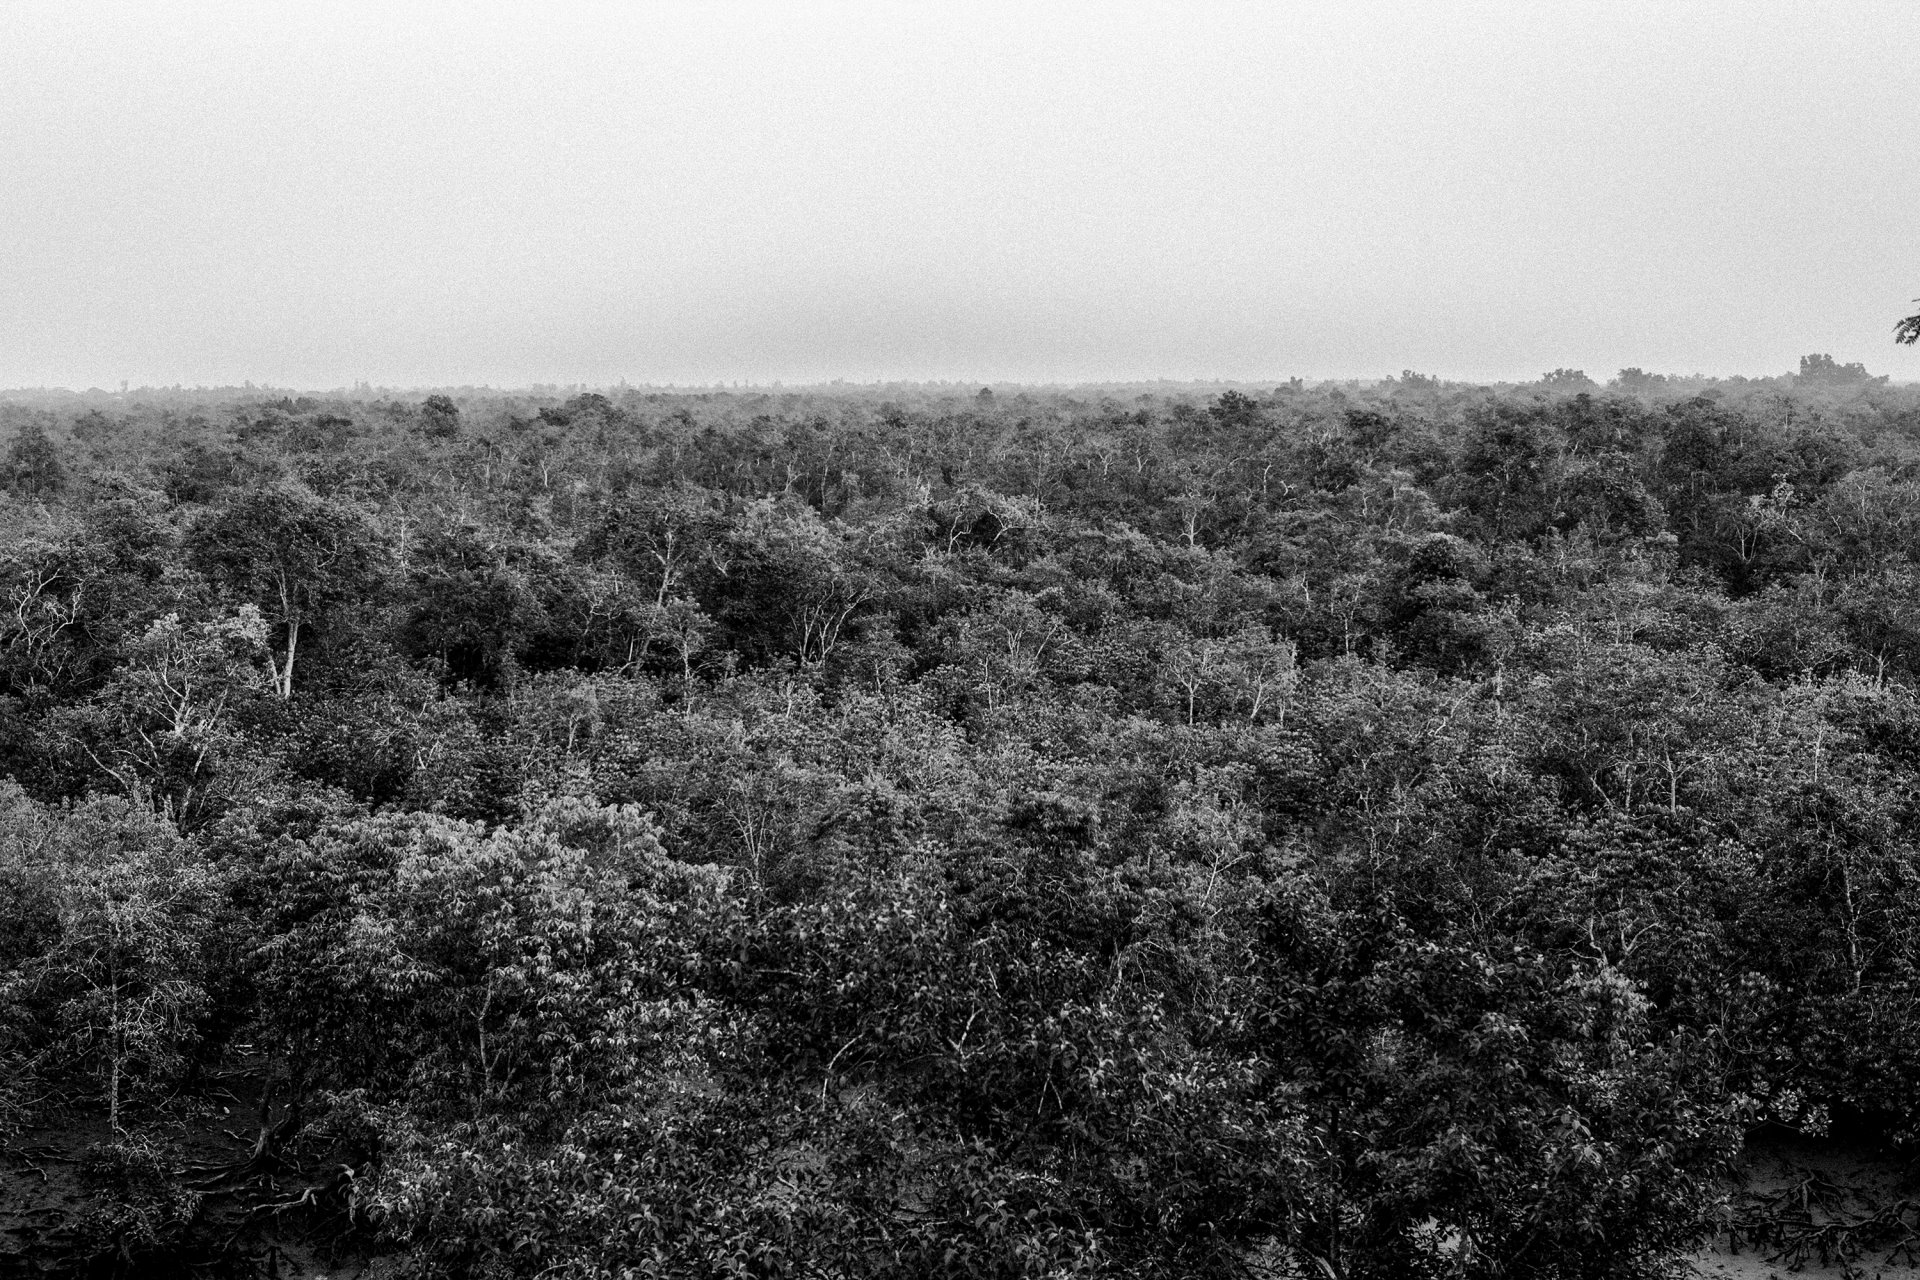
(1400, 830)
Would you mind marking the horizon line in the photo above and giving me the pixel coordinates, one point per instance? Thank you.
(582, 387)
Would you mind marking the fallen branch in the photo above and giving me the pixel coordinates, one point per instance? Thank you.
(306, 1197)
(1811, 1219)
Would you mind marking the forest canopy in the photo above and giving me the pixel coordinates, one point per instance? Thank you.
(1393, 829)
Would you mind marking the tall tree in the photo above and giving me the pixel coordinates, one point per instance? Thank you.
(295, 555)
(32, 467)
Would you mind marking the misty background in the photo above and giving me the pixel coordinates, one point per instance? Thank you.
(415, 194)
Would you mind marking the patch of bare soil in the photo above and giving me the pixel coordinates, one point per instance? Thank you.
(206, 1191)
(1821, 1209)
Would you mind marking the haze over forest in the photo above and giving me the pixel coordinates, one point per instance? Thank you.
(505, 195)
(1115, 642)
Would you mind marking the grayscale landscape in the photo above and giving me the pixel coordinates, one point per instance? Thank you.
(796, 641)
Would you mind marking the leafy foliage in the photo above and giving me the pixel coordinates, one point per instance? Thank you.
(1407, 830)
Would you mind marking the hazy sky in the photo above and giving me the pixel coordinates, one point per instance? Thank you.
(409, 194)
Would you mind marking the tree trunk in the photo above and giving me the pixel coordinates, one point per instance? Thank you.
(290, 612)
(283, 678)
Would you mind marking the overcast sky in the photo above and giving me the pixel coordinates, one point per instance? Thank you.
(317, 194)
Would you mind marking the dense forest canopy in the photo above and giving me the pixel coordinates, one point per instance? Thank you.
(1354, 830)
